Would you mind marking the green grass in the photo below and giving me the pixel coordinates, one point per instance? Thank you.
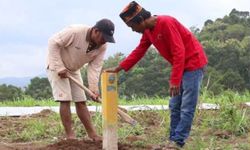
(227, 128)
(35, 128)
(28, 102)
(152, 129)
(205, 97)
(144, 101)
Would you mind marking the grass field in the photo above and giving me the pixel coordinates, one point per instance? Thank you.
(224, 129)
(204, 98)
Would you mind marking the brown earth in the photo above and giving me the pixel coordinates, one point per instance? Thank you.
(151, 123)
(8, 125)
(19, 146)
(66, 145)
(81, 145)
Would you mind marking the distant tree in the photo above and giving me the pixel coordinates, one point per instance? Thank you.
(239, 14)
(246, 43)
(149, 77)
(236, 31)
(245, 61)
(228, 63)
(235, 25)
(195, 30)
(39, 88)
(10, 92)
(208, 22)
(233, 80)
(113, 61)
(212, 81)
(214, 31)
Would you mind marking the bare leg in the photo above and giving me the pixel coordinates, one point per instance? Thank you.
(83, 114)
(65, 114)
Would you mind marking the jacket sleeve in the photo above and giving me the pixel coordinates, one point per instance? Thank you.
(94, 69)
(56, 44)
(177, 50)
(136, 54)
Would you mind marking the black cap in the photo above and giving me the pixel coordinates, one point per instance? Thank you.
(107, 28)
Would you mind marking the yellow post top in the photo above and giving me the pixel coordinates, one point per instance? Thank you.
(109, 98)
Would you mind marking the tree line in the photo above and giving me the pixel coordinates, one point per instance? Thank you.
(226, 42)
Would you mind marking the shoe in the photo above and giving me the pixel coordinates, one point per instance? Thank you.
(171, 145)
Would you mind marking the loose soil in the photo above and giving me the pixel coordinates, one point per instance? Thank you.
(15, 124)
(66, 145)
(153, 129)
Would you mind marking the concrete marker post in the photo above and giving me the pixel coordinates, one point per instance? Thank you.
(109, 110)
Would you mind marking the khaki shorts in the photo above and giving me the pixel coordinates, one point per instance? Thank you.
(64, 89)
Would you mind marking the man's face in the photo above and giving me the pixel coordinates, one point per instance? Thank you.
(139, 28)
(97, 37)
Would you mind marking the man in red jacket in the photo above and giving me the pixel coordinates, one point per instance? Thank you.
(182, 50)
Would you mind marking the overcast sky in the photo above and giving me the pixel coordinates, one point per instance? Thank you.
(26, 25)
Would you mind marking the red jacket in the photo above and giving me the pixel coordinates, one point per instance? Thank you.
(175, 43)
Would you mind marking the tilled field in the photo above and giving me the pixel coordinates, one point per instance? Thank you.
(43, 131)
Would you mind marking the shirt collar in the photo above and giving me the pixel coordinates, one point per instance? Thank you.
(88, 34)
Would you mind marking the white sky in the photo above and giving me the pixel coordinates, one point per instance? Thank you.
(26, 25)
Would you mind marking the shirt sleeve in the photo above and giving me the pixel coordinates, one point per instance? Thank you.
(94, 69)
(177, 50)
(136, 54)
(65, 37)
(57, 43)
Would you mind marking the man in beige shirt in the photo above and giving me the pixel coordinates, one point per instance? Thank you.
(68, 51)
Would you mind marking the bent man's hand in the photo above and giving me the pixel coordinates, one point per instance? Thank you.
(113, 70)
(95, 96)
(63, 73)
(174, 90)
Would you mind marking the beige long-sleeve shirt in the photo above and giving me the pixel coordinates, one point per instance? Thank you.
(68, 50)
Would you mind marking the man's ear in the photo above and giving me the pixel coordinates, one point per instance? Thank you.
(95, 30)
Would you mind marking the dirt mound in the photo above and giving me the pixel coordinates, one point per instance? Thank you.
(19, 146)
(74, 145)
(4, 147)
(8, 125)
(83, 145)
(223, 134)
(66, 145)
(149, 118)
(43, 113)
